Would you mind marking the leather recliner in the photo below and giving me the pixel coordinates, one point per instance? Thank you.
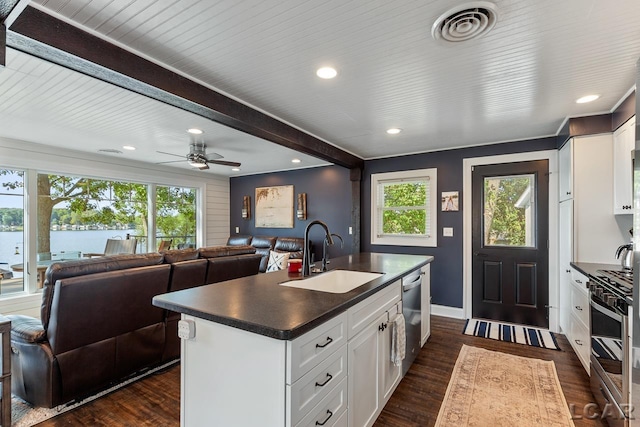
(97, 326)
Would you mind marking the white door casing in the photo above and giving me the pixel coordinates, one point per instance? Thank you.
(468, 164)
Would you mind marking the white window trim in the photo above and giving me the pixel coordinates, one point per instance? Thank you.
(432, 240)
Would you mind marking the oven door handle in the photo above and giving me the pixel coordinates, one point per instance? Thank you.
(611, 312)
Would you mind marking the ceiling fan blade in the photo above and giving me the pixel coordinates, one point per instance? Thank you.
(213, 156)
(171, 154)
(172, 161)
(225, 163)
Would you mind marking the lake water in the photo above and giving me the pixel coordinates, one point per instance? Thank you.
(83, 241)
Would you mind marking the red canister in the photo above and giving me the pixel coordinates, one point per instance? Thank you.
(295, 266)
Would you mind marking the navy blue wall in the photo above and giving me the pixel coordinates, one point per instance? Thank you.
(446, 270)
(328, 199)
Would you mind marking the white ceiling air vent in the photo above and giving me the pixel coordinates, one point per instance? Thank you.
(465, 22)
(110, 151)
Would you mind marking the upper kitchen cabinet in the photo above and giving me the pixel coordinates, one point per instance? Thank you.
(565, 165)
(624, 140)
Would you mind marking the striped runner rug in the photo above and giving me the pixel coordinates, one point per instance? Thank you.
(511, 333)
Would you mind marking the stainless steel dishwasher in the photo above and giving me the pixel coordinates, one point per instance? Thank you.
(411, 285)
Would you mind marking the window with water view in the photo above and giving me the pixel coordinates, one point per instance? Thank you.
(79, 217)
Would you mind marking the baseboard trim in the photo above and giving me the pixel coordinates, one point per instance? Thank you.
(446, 311)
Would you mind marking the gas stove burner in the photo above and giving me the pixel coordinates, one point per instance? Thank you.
(618, 282)
(626, 277)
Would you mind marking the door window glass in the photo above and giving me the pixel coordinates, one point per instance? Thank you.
(509, 211)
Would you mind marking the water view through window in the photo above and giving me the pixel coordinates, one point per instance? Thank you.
(11, 231)
(77, 216)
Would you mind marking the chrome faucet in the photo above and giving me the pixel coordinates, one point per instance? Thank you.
(325, 254)
(306, 262)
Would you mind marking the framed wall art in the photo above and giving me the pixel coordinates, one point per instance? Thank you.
(274, 207)
(450, 201)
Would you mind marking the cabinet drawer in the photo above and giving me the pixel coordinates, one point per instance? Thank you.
(309, 390)
(310, 349)
(579, 279)
(580, 304)
(330, 410)
(580, 341)
(362, 314)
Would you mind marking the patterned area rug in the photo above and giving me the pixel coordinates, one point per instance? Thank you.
(511, 333)
(24, 415)
(489, 388)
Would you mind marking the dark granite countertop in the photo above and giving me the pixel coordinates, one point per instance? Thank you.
(259, 304)
(589, 268)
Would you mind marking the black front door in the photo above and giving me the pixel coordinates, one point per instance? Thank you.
(510, 263)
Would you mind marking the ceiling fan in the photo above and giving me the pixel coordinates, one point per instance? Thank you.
(198, 157)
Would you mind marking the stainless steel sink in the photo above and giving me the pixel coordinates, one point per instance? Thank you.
(334, 281)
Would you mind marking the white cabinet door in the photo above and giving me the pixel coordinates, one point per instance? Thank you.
(565, 165)
(624, 141)
(565, 256)
(364, 380)
(425, 303)
(390, 374)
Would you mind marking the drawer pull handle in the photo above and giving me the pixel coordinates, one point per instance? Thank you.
(318, 423)
(578, 308)
(578, 342)
(579, 282)
(329, 378)
(329, 341)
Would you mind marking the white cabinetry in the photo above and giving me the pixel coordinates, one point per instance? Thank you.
(624, 141)
(372, 375)
(588, 232)
(425, 304)
(339, 373)
(579, 318)
(565, 256)
(565, 164)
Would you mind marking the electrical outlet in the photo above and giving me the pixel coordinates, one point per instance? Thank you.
(237, 230)
(186, 329)
(447, 231)
(350, 230)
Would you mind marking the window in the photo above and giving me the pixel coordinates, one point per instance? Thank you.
(509, 211)
(403, 208)
(76, 215)
(11, 231)
(175, 217)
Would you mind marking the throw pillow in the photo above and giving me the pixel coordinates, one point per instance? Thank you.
(277, 261)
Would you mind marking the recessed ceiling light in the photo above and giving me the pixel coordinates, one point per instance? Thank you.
(195, 131)
(128, 147)
(296, 161)
(394, 131)
(326, 72)
(587, 98)
(235, 169)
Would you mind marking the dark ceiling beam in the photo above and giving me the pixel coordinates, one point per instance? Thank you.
(36, 33)
(6, 6)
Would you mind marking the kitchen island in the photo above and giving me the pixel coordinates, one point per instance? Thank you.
(273, 355)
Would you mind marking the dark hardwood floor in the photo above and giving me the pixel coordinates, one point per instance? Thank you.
(417, 399)
(155, 401)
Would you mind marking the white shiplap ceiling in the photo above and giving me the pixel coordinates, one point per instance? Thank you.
(518, 82)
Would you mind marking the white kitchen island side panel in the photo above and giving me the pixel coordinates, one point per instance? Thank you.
(231, 377)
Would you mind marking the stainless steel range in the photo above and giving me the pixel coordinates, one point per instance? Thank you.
(610, 305)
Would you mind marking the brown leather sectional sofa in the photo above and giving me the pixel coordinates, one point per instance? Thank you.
(264, 244)
(98, 325)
